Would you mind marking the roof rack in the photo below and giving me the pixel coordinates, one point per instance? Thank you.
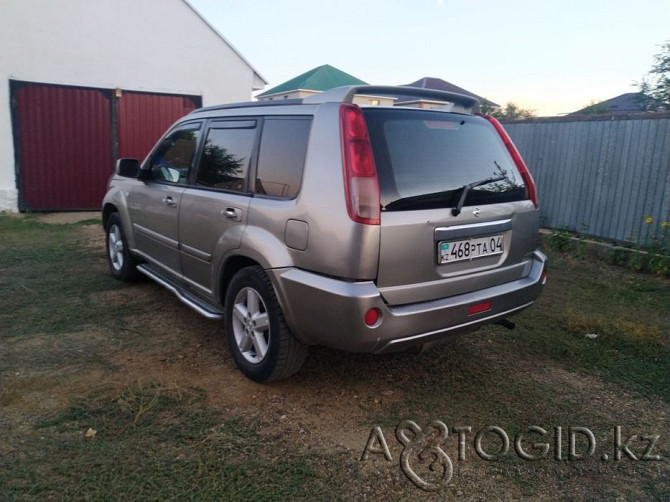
(249, 104)
(459, 103)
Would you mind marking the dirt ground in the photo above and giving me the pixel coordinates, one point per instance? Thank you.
(332, 404)
(67, 217)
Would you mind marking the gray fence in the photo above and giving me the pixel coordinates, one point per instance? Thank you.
(603, 175)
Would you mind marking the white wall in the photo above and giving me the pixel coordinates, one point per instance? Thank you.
(140, 45)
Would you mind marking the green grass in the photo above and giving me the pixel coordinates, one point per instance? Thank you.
(627, 311)
(46, 281)
(155, 443)
(68, 329)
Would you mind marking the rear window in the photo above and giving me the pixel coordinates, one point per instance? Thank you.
(425, 159)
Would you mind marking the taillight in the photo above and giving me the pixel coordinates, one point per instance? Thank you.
(360, 176)
(531, 190)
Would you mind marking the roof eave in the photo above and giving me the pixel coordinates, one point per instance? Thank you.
(257, 75)
(272, 95)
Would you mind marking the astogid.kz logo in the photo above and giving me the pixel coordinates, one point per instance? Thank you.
(427, 447)
(425, 462)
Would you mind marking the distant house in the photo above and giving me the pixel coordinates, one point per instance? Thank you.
(327, 77)
(630, 102)
(319, 79)
(439, 85)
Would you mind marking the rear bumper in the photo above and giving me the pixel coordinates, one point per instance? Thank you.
(325, 311)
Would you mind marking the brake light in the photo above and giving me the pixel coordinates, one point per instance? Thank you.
(361, 184)
(531, 190)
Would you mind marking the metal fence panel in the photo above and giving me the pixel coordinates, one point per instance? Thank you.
(603, 176)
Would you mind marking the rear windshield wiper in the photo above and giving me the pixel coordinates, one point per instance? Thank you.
(423, 201)
(466, 188)
(435, 199)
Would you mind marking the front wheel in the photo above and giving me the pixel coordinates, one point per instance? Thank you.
(122, 264)
(258, 339)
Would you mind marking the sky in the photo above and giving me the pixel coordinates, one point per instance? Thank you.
(553, 57)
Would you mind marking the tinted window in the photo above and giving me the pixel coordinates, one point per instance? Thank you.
(421, 153)
(282, 156)
(174, 156)
(225, 157)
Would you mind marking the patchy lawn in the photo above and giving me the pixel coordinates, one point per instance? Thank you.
(115, 391)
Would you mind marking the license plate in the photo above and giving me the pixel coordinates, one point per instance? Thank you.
(469, 249)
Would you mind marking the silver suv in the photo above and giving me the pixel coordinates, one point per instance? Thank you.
(321, 222)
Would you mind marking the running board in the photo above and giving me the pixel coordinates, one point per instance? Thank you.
(200, 306)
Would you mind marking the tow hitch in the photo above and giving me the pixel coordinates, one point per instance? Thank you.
(505, 323)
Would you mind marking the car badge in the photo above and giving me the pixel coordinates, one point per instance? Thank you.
(476, 212)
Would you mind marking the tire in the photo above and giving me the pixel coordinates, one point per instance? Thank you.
(122, 265)
(258, 339)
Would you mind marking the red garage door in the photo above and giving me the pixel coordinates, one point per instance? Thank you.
(68, 138)
(143, 119)
(64, 146)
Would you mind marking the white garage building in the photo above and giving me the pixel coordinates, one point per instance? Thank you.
(84, 82)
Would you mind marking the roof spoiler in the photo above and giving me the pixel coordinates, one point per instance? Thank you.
(459, 103)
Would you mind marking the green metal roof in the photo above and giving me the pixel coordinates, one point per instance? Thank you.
(320, 78)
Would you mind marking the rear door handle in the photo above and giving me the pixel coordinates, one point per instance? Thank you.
(169, 201)
(232, 213)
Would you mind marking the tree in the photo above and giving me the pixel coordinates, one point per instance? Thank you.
(594, 108)
(218, 167)
(511, 111)
(655, 87)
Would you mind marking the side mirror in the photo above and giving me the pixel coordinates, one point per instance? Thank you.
(128, 168)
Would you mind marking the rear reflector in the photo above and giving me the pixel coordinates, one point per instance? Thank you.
(372, 317)
(360, 175)
(531, 190)
(543, 277)
(478, 308)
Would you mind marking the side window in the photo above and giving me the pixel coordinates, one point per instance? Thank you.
(282, 156)
(225, 159)
(174, 156)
